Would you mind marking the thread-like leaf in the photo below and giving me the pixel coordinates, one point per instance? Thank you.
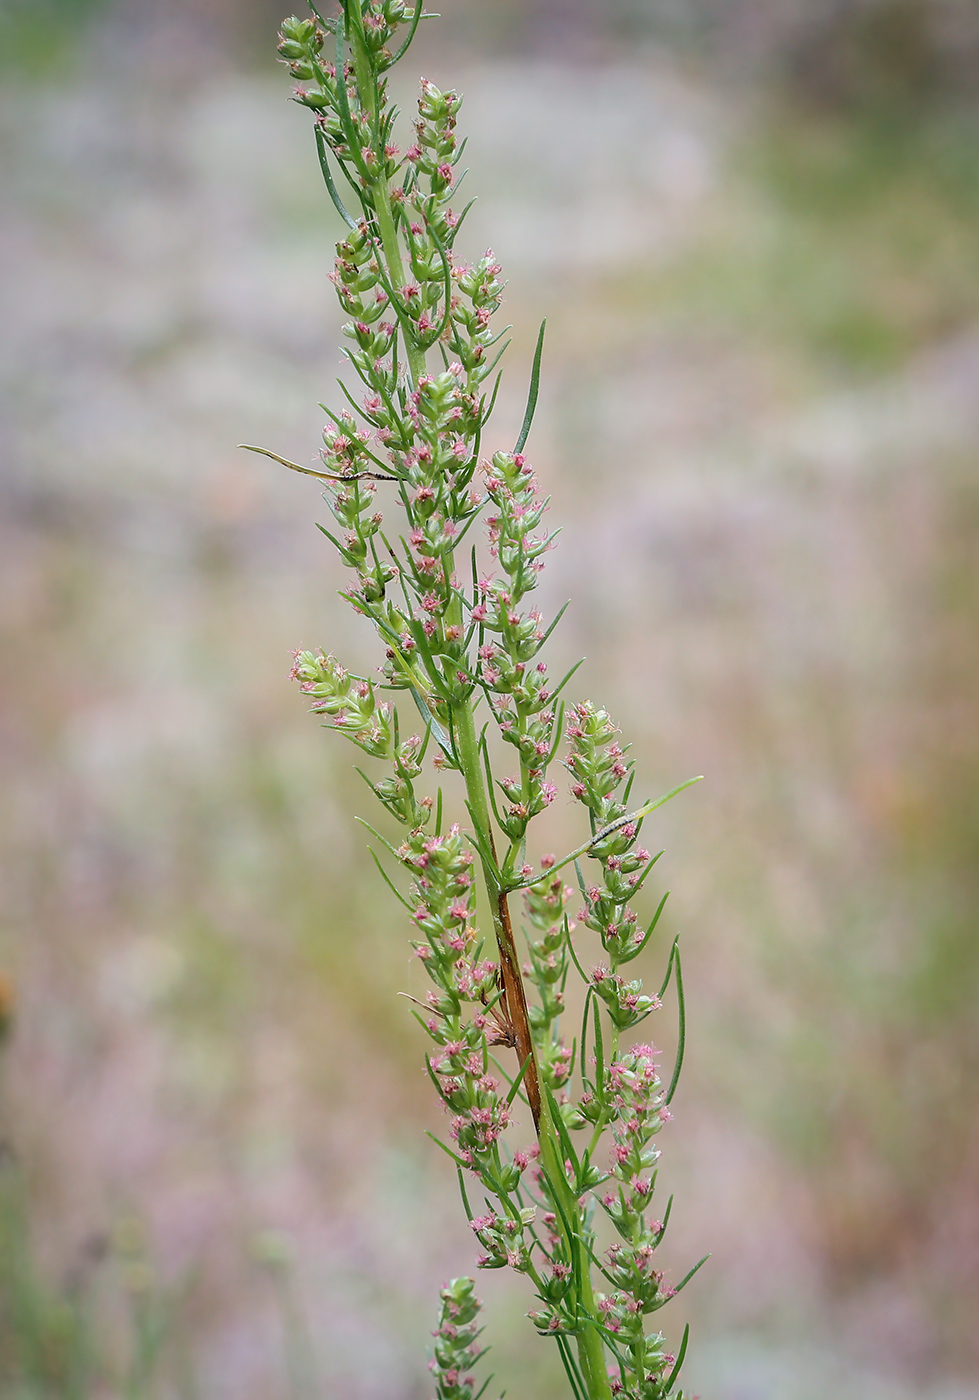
(447, 1150)
(599, 1054)
(515, 1086)
(682, 1017)
(338, 204)
(570, 1369)
(459, 222)
(642, 878)
(584, 1026)
(562, 1132)
(463, 1194)
(435, 1080)
(377, 835)
(669, 969)
(388, 881)
(665, 1221)
(528, 417)
(610, 829)
(411, 33)
(484, 417)
(671, 1378)
(634, 952)
(480, 841)
(687, 1277)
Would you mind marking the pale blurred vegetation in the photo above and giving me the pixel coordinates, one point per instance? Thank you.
(755, 230)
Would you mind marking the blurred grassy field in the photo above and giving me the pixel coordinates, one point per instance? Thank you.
(755, 233)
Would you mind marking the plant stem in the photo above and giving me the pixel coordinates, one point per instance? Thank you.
(367, 89)
(590, 1349)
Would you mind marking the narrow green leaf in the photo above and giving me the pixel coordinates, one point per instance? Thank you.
(447, 1150)
(459, 222)
(571, 1369)
(682, 1017)
(642, 878)
(411, 33)
(328, 177)
(611, 828)
(332, 538)
(520, 1094)
(377, 836)
(669, 969)
(497, 357)
(463, 1194)
(483, 847)
(599, 1053)
(484, 417)
(566, 1145)
(490, 780)
(446, 272)
(514, 1087)
(686, 1279)
(666, 1219)
(388, 881)
(584, 1029)
(528, 417)
(671, 1378)
(435, 1080)
(441, 738)
(574, 1244)
(574, 957)
(634, 953)
(558, 734)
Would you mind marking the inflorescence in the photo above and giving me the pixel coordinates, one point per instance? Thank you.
(452, 637)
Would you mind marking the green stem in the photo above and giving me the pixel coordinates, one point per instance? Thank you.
(367, 90)
(591, 1352)
(590, 1349)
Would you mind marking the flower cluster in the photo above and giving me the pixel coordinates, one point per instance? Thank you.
(519, 691)
(351, 703)
(635, 1094)
(444, 901)
(599, 767)
(420, 341)
(546, 903)
(504, 1240)
(456, 1349)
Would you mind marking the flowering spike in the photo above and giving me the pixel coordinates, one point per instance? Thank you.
(419, 426)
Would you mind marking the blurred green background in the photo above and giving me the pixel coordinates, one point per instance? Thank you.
(754, 227)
